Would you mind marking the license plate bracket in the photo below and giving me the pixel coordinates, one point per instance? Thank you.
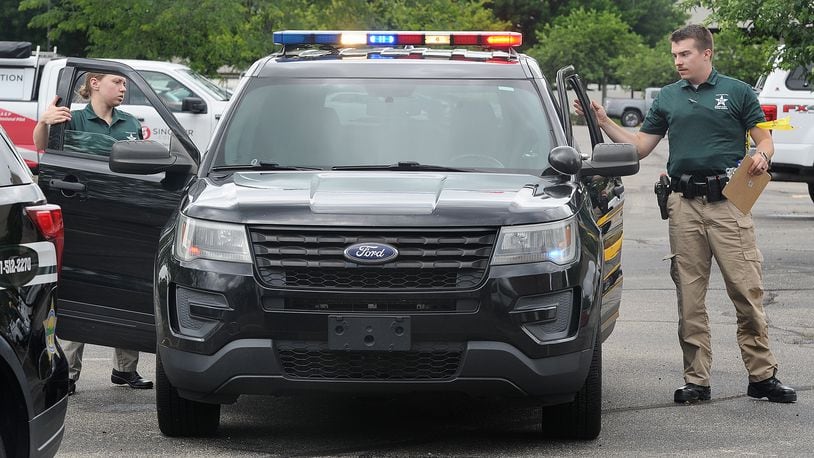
(369, 333)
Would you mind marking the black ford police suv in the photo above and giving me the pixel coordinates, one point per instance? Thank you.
(376, 213)
(33, 371)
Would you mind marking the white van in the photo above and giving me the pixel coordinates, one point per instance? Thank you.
(28, 82)
(788, 93)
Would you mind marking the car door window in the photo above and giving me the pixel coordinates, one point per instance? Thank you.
(169, 89)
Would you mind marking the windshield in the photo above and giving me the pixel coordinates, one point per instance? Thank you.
(312, 122)
(217, 92)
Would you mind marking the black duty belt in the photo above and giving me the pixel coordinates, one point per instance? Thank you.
(691, 186)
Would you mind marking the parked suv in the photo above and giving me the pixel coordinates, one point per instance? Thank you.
(33, 371)
(375, 214)
(788, 93)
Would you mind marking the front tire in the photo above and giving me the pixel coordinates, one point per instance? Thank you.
(811, 191)
(580, 419)
(178, 417)
(631, 118)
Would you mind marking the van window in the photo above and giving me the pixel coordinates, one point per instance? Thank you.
(798, 78)
(168, 89)
(12, 170)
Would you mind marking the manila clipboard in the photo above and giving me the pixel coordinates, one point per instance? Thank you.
(744, 189)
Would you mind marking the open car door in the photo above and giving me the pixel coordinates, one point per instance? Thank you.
(112, 221)
(607, 197)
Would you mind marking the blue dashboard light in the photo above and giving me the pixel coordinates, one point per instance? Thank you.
(381, 39)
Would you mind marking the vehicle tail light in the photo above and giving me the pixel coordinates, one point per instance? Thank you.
(770, 111)
(48, 219)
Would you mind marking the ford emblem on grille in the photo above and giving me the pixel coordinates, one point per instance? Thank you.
(371, 253)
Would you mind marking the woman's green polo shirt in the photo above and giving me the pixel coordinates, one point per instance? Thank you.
(123, 126)
(706, 127)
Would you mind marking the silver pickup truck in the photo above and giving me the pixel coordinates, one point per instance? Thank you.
(631, 111)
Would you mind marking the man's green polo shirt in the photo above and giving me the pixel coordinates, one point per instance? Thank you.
(123, 126)
(706, 126)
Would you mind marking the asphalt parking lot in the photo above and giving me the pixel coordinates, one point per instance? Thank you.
(642, 367)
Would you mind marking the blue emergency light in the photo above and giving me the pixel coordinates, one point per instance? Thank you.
(400, 38)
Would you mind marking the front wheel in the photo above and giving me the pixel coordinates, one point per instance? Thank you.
(811, 191)
(581, 418)
(631, 118)
(177, 416)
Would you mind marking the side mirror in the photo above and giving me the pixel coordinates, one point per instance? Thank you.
(193, 105)
(565, 160)
(612, 160)
(140, 157)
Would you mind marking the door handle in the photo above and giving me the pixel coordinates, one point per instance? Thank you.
(140, 119)
(67, 185)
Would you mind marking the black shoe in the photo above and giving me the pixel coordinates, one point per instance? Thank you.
(131, 379)
(692, 393)
(774, 390)
(71, 386)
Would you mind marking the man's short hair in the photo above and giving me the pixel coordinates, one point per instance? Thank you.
(701, 35)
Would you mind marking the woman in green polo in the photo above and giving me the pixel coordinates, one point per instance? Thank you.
(96, 127)
(93, 130)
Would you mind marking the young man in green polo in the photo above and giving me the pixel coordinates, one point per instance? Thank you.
(706, 116)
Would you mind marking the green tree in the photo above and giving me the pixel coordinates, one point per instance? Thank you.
(741, 56)
(211, 33)
(645, 67)
(791, 21)
(652, 19)
(587, 39)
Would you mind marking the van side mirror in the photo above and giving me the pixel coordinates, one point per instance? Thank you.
(193, 105)
(612, 160)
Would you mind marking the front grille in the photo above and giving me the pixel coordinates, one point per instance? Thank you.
(425, 361)
(428, 259)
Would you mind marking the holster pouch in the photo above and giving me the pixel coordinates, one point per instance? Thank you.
(687, 187)
(715, 186)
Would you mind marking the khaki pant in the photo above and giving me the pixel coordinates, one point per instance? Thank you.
(123, 360)
(698, 231)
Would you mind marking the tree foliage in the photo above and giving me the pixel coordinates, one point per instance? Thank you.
(741, 56)
(791, 21)
(645, 67)
(587, 39)
(211, 33)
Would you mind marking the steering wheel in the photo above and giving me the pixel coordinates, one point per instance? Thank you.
(476, 160)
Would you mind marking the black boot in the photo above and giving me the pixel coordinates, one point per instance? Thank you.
(692, 393)
(772, 389)
(132, 379)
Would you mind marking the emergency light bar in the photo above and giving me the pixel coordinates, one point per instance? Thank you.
(378, 38)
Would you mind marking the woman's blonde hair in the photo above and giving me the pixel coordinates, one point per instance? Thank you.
(84, 90)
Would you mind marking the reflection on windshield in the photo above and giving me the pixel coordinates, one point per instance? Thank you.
(484, 124)
(214, 90)
(78, 141)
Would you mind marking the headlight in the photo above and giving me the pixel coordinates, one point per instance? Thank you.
(197, 238)
(555, 242)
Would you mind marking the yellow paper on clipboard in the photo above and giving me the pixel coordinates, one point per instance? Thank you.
(744, 189)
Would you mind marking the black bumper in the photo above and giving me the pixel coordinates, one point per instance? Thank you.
(251, 366)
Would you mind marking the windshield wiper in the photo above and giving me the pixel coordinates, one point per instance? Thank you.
(399, 166)
(259, 165)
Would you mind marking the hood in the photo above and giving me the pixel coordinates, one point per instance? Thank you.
(404, 199)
